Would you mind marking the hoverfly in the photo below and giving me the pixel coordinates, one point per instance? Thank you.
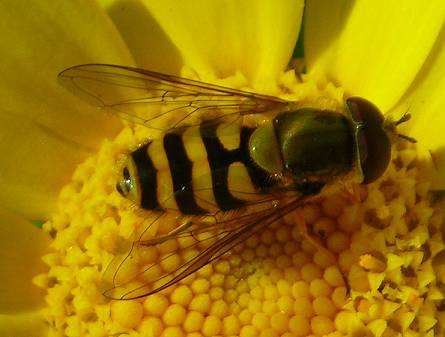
(212, 180)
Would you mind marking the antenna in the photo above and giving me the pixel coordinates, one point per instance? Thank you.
(408, 138)
(405, 118)
(392, 126)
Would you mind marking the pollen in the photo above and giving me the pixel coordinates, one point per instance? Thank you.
(385, 278)
(128, 314)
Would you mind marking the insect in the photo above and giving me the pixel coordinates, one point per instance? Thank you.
(211, 180)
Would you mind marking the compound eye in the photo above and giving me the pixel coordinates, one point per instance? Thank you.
(363, 110)
(373, 144)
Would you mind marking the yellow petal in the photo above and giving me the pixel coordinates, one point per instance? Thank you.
(45, 130)
(377, 327)
(426, 322)
(224, 36)
(148, 43)
(22, 246)
(425, 101)
(23, 325)
(374, 48)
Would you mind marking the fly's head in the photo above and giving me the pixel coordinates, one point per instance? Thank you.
(373, 137)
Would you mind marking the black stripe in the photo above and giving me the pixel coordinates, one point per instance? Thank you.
(181, 173)
(147, 177)
(220, 159)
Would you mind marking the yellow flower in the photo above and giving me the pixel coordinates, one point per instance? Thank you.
(392, 54)
(40, 121)
(45, 133)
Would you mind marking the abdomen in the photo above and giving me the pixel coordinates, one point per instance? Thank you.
(200, 170)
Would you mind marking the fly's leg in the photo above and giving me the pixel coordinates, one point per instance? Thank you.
(302, 226)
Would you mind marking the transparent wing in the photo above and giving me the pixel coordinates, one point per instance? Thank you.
(161, 101)
(154, 264)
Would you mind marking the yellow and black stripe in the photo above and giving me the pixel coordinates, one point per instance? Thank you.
(181, 174)
(194, 170)
(146, 177)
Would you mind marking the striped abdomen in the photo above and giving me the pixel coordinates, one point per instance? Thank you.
(196, 170)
